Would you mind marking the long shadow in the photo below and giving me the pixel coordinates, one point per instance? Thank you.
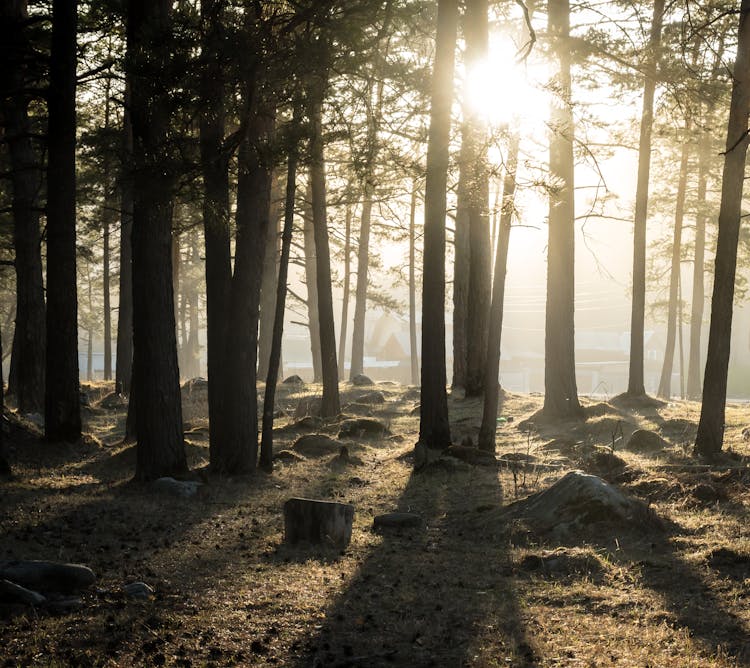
(439, 595)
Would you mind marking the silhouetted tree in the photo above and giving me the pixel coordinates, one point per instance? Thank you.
(710, 436)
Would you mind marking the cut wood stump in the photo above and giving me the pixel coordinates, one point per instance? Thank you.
(318, 522)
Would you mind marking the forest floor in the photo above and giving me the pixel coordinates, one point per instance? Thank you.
(470, 587)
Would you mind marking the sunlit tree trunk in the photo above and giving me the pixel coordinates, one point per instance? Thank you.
(347, 282)
(434, 429)
(560, 389)
(413, 352)
(26, 379)
(698, 296)
(636, 387)
(488, 427)
(311, 281)
(160, 450)
(218, 265)
(62, 405)
(665, 381)
(480, 277)
(124, 361)
(360, 303)
(270, 280)
(710, 434)
(331, 405)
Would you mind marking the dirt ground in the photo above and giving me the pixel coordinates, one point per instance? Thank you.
(469, 587)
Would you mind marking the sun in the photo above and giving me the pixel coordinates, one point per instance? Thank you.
(503, 90)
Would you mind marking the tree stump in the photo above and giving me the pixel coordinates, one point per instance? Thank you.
(317, 522)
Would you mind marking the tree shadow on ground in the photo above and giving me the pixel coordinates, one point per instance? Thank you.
(439, 595)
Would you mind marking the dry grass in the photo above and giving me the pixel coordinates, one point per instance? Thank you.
(467, 588)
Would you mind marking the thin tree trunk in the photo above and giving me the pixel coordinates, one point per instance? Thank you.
(311, 281)
(560, 389)
(665, 382)
(108, 209)
(680, 342)
(488, 427)
(461, 261)
(480, 273)
(710, 434)
(269, 281)
(331, 405)
(62, 404)
(266, 446)
(413, 352)
(434, 429)
(699, 295)
(124, 361)
(347, 281)
(26, 380)
(5, 469)
(160, 450)
(636, 386)
(360, 303)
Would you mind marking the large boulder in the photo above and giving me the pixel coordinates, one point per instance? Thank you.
(361, 379)
(316, 445)
(644, 442)
(318, 522)
(47, 575)
(362, 428)
(375, 397)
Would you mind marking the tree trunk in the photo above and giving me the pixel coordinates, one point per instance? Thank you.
(560, 390)
(331, 405)
(62, 403)
(26, 379)
(266, 446)
(311, 281)
(360, 303)
(699, 296)
(215, 170)
(434, 429)
(636, 387)
(461, 262)
(488, 427)
(160, 450)
(269, 282)
(480, 276)
(5, 469)
(239, 452)
(347, 281)
(108, 208)
(413, 352)
(665, 382)
(124, 361)
(710, 434)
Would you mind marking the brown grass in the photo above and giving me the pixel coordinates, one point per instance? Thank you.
(467, 588)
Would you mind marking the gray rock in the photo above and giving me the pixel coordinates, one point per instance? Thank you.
(293, 380)
(47, 575)
(375, 397)
(287, 456)
(10, 592)
(645, 442)
(318, 522)
(113, 401)
(181, 488)
(361, 379)
(138, 590)
(61, 606)
(397, 521)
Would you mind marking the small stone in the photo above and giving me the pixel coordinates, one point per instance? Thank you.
(397, 521)
(181, 488)
(138, 590)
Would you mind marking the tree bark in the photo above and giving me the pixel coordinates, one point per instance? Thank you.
(413, 352)
(269, 281)
(665, 381)
(26, 379)
(360, 299)
(160, 450)
(62, 404)
(331, 405)
(699, 296)
(488, 427)
(560, 389)
(347, 283)
(311, 281)
(434, 429)
(108, 209)
(215, 171)
(636, 387)
(480, 276)
(124, 361)
(709, 438)
(266, 446)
